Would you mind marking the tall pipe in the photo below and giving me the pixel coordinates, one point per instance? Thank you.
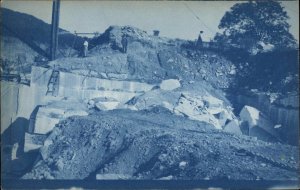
(54, 28)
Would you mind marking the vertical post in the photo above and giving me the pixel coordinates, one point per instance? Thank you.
(54, 28)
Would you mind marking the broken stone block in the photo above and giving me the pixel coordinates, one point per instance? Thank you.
(44, 149)
(103, 75)
(208, 119)
(203, 108)
(250, 114)
(112, 176)
(211, 101)
(69, 113)
(33, 141)
(223, 117)
(188, 106)
(59, 164)
(233, 127)
(44, 124)
(258, 124)
(107, 105)
(170, 84)
(50, 115)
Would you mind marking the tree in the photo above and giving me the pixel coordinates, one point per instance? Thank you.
(255, 25)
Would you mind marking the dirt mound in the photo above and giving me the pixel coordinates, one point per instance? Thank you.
(155, 144)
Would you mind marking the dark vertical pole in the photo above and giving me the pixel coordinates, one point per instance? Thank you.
(57, 25)
(54, 28)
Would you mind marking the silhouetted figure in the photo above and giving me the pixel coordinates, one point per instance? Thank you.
(199, 43)
(124, 43)
(85, 47)
(156, 32)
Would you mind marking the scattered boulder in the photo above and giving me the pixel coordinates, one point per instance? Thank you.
(169, 84)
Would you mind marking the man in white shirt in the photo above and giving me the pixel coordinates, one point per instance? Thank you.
(85, 47)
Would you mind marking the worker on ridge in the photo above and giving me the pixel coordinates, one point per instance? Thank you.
(85, 47)
(124, 43)
(199, 43)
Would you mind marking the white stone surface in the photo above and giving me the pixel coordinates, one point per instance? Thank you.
(69, 113)
(31, 143)
(233, 127)
(109, 105)
(112, 176)
(169, 84)
(44, 124)
(203, 108)
(224, 115)
(250, 114)
(212, 102)
(14, 151)
(277, 126)
(255, 118)
(48, 116)
(73, 81)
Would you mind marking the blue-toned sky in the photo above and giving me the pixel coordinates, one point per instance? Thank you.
(175, 19)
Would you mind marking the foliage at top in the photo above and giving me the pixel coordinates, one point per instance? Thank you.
(254, 25)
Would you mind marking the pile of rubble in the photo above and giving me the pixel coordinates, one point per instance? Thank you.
(156, 144)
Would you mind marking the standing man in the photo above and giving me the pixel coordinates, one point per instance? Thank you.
(85, 47)
(124, 43)
(199, 43)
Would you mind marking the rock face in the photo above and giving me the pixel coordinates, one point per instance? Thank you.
(155, 144)
(83, 87)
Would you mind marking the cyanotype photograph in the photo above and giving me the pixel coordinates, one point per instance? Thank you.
(149, 94)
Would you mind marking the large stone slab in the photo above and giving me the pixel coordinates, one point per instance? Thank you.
(250, 114)
(50, 115)
(256, 119)
(233, 127)
(33, 142)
